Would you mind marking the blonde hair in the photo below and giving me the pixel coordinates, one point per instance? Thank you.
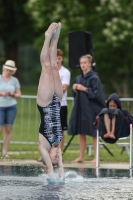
(59, 52)
(88, 56)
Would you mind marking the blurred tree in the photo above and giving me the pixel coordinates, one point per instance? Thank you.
(109, 21)
(74, 15)
(116, 41)
(16, 27)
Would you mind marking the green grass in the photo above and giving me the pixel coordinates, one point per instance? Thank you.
(73, 152)
(29, 90)
(22, 133)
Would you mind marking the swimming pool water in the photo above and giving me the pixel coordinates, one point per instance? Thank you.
(29, 183)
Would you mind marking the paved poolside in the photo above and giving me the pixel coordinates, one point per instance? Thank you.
(86, 164)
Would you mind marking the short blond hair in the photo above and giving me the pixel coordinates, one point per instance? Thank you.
(88, 56)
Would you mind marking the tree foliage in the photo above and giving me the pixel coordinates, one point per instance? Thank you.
(109, 21)
(16, 27)
(74, 15)
(117, 31)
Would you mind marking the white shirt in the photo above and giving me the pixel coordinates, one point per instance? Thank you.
(65, 79)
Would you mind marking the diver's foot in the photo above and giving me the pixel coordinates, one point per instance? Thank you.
(78, 160)
(57, 31)
(51, 29)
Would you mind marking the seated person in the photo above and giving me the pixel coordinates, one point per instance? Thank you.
(113, 121)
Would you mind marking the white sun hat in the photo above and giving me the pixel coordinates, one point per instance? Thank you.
(10, 64)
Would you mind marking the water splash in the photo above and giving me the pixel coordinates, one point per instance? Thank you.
(31, 183)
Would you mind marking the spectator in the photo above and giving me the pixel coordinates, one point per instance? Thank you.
(65, 79)
(113, 122)
(9, 92)
(88, 102)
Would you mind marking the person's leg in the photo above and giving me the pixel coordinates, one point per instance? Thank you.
(112, 134)
(45, 94)
(7, 137)
(2, 118)
(94, 144)
(53, 59)
(63, 115)
(48, 59)
(107, 123)
(46, 82)
(1, 129)
(82, 147)
(10, 114)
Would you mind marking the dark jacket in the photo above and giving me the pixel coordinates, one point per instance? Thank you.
(86, 105)
(114, 97)
(123, 120)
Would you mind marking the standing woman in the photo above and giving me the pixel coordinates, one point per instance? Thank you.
(9, 91)
(88, 102)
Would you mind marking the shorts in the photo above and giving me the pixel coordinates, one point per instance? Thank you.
(63, 115)
(50, 126)
(7, 115)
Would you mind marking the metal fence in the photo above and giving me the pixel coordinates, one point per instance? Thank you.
(25, 129)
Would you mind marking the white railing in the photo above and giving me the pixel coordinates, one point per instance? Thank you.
(25, 129)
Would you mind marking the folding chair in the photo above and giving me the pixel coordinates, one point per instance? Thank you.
(130, 142)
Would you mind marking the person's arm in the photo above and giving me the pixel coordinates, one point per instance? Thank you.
(60, 165)
(74, 87)
(82, 88)
(48, 164)
(16, 94)
(4, 94)
(128, 116)
(66, 80)
(94, 88)
(64, 87)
